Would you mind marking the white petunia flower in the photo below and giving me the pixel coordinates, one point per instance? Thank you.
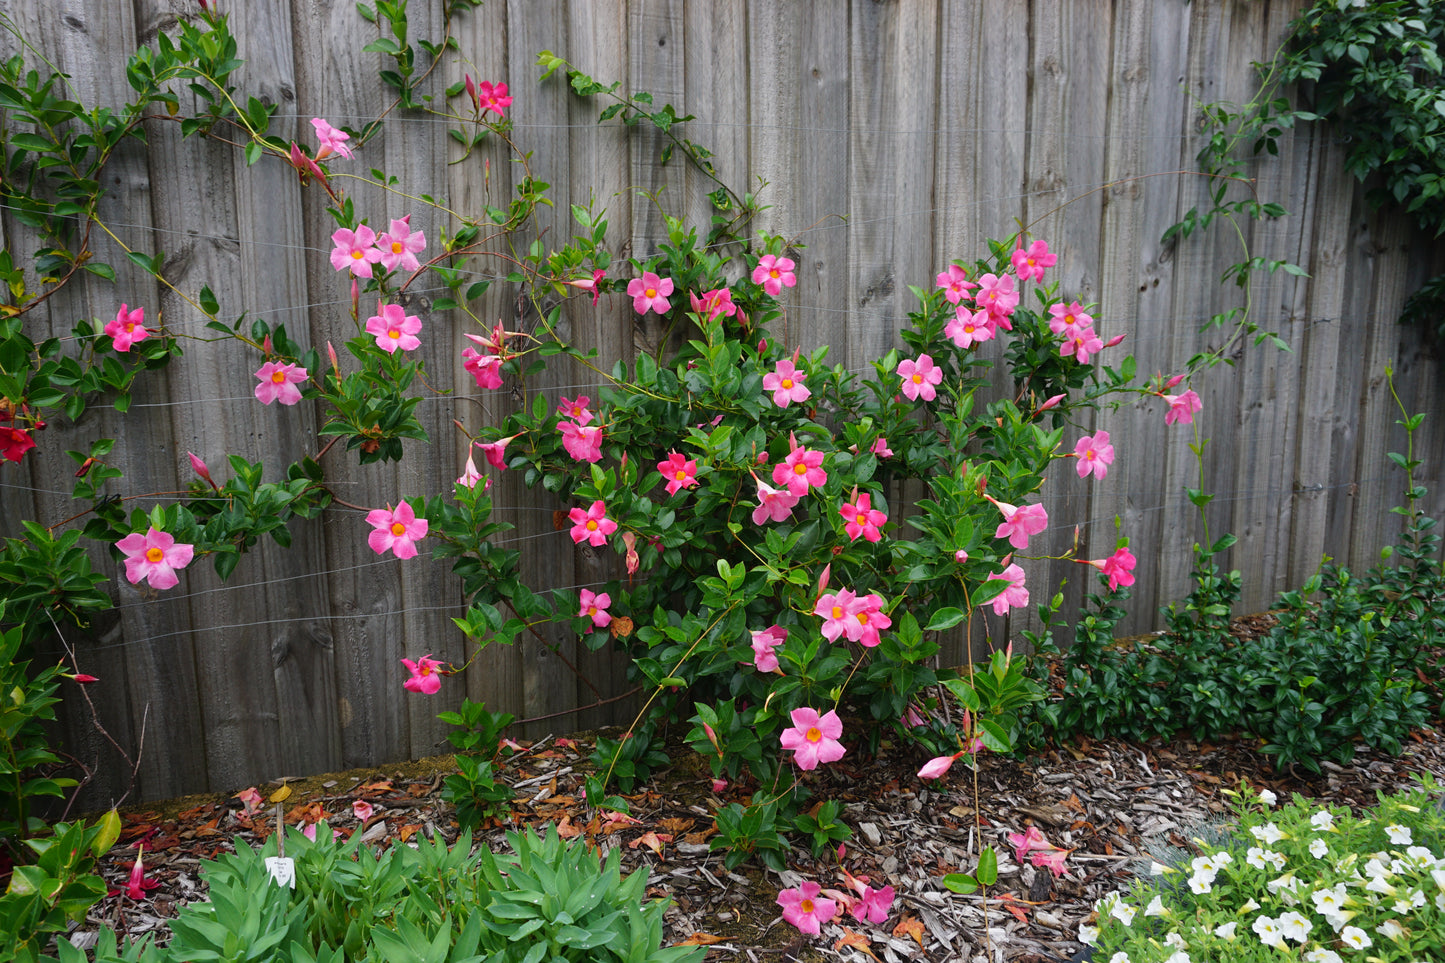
(1159, 869)
(1179, 957)
(1319, 849)
(1156, 908)
(1356, 938)
(1416, 898)
(1322, 955)
(1123, 912)
(1324, 820)
(1120, 957)
(1222, 859)
(1268, 833)
(1267, 797)
(1295, 927)
(1268, 931)
(1391, 930)
(1201, 883)
(1275, 859)
(1399, 835)
(1226, 930)
(1088, 934)
(1249, 906)
(1176, 941)
(1255, 857)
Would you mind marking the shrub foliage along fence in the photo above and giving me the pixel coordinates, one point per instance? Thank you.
(886, 139)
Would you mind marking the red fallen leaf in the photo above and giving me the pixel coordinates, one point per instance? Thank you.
(566, 830)
(198, 811)
(652, 841)
(701, 939)
(614, 818)
(207, 828)
(856, 940)
(910, 926)
(380, 784)
(1013, 906)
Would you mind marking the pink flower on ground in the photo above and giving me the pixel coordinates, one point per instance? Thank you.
(332, 141)
(590, 284)
(874, 905)
(1118, 568)
(714, 303)
(680, 472)
(1182, 408)
(582, 442)
(801, 470)
(396, 529)
(868, 620)
(919, 377)
(1026, 842)
(595, 608)
(786, 384)
(837, 613)
(362, 810)
(806, 908)
(485, 368)
(1081, 343)
(251, 801)
(1053, 858)
(996, 294)
(278, 383)
(492, 97)
(764, 644)
(425, 675)
(774, 504)
(649, 293)
(1063, 319)
(470, 475)
(355, 250)
(1095, 455)
(127, 328)
(955, 284)
(937, 766)
(775, 273)
(1031, 263)
(137, 885)
(592, 526)
(400, 246)
(496, 451)
(393, 328)
(309, 830)
(576, 409)
(1013, 597)
(814, 738)
(861, 518)
(154, 556)
(1020, 522)
(880, 448)
(969, 328)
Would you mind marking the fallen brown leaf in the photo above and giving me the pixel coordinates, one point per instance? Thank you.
(910, 926)
(701, 939)
(856, 940)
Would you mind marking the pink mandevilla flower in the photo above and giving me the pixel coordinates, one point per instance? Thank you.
(862, 519)
(800, 470)
(127, 328)
(1031, 263)
(919, 377)
(485, 368)
(774, 504)
(355, 250)
(1081, 343)
(278, 383)
(765, 642)
(332, 141)
(470, 475)
(592, 284)
(1013, 597)
(1065, 319)
(874, 904)
(594, 607)
(775, 273)
(425, 677)
(868, 620)
(806, 908)
(786, 384)
(996, 295)
(362, 810)
(496, 451)
(400, 246)
(576, 409)
(1095, 455)
(880, 448)
(937, 766)
(397, 529)
(837, 613)
(1118, 568)
(137, 884)
(1182, 408)
(154, 556)
(714, 303)
(1053, 858)
(1027, 841)
(649, 293)
(393, 328)
(969, 328)
(1020, 522)
(493, 97)
(592, 526)
(955, 284)
(680, 472)
(582, 442)
(814, 738)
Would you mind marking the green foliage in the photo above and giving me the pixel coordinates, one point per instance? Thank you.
(27, 763)
(54, 887)
(474, 792)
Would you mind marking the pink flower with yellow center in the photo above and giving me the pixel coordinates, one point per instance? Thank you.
(1095, 455)
(1182, 408)
(154, 556)
(786, 384)
(127, 328)
(594, 607)
(837, 611)
(814, 738)
(1015, 595)
(278, 383)
(801, 470)
(806, 908)
(355, 251)
(485, 368)
(860, 518)
(400, 246)
(397, 530)
(955, 284)
(868, 620)
(649, 293)
(919, 377)
(394, 329)
(765, 642)
(774, 504)
(775, 273)
(576, 409)
(1031, 263)
(425, 675)
(582, 442)
(1020, 522)
(969, 328)
(1118, 568)
(591, 526)
(680, 472)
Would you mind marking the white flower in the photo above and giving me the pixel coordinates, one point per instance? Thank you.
(1379, 885)
(1105, 904)
(1088, 934)
(1328, 901)
(1222, 860)
(1295, 927)
(1180, 957)
(1123, 912)
(1356, 938)
(1120, 957)
(1417, 899)
(1226, 930)
(1255, 857)
(1325, 820)
(1176, 941)
(1156, 908)
(1205, 863)
(1159, 869)
(1391, 930)
(1319, 849)
(1322, 955)
(1249, 906)
(1286, 882)
(1201, 883)
(1267, 797)
(1268, 931)
(1420, 856)
(1376, 868)
(1268, 833)
(1402, 907)
(1274, 859)
(1399, 835)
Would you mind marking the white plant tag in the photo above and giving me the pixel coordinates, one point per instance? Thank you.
(282, 870)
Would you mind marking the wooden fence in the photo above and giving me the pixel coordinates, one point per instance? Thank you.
(891, 137)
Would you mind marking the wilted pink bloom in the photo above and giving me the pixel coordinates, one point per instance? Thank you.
(1026, 842)
(911, 717)
(969, 328)
(425, 677)
(937, 766)
(154, 556)
(1020, 522)
(880, 448)
(594, 607)
(718, 785)
(764, 644)
(861, 518)
(1182, 408)
(919, 377)
(775, 273)
(470, 475)
(786, 384)
(592, 526)
(362, 810)
(576, 409)
(396, 529)
(15, 442)
(332, 141)
(1095, 455)
(680, 472)
(996, 294)
(868, 620)
(714, 303)
(400, 246)
(774, 504)
(649, 293)
(874, 904)
(492, 97)
(355, 250)
(582, 442)
(1031, 263)
(1118, 568)
(806, 908)
(137, 885)
(393, 328)
(485, 368)
(800, 470)
(955, 284)
(1013, 597)
(814, 738)
(1053, 858)
(305, 166)
(590, 284)
(127, 328)
(837, 613)
(278, 383)
(250, 801)
(1063, 319)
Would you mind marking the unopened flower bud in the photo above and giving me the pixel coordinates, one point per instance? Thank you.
(1116, 339)
(1172, 382)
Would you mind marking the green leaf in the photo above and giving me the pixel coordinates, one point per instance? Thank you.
(960, 883)
(945, 618)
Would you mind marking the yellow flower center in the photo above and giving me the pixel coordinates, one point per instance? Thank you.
(591, 525)
(1030, 262)
(813, 734)
(918, 379)
(787, 384)
(278, 377)
(1068, 319)
(357, 255)
(681, 475)
(862, 618)
(800, 469)
(773, 273)
(651, 293)
(1089, 454)
(396, 247)
(393, 334)
(154, 555)
(129, 327)
(425, 670)
(806, 905)
(398, 529)
(591, 610)
(837, 611)
(861, 519)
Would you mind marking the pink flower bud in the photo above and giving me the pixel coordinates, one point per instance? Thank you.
(1116, 339)
(718, 785)
(1172, 382)
(960, 556)
(936, 767)
(331, 353)
(1051, 403)
(823, 579)
(80, 678)
(200, 469)
(763, 346)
